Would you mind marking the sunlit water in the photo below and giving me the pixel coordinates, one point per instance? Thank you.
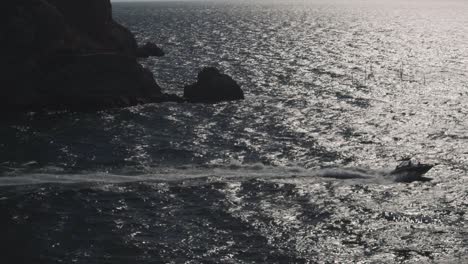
(349, 85)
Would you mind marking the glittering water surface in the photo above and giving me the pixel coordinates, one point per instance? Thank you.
(328, 84)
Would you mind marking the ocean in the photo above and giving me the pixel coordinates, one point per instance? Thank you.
(337, 93)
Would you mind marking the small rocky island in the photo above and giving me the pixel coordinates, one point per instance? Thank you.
(72, 55)
(213, 86)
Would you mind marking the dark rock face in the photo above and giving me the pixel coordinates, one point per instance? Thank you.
(91, 17)
(29, 30)
(88, 81)
(91, 27)
(122, 39)
(148, 50)
(68, 54)
(213, 86)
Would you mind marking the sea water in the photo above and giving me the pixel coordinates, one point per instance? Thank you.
(336, 93)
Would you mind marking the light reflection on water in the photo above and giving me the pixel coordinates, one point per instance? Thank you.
(368, 83)
(335, 84)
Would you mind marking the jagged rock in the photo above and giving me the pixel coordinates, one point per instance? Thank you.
(69, 54)
(122, 39)
(148, 50)
(87, 82)
(30, 29)
(213, 86)
(91, 27)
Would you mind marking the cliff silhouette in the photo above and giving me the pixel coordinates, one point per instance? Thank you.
(69, 54)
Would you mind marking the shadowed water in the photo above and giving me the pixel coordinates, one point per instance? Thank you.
(336, 93)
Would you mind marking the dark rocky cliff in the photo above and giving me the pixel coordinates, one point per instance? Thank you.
(69, 54)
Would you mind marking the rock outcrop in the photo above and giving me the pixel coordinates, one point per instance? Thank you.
(69, 54)
(149, 50)
(213, 86)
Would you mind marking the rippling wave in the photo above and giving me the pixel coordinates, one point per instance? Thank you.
(336, 93)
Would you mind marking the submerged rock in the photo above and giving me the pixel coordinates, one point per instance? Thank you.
(149, 50)
(213, 86)
(408, 171)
